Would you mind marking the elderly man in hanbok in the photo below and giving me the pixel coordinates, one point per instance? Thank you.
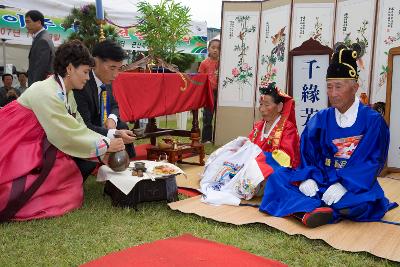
(238, 170)
(343, 150)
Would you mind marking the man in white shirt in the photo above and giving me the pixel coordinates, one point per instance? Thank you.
(343, 150)
(41, 54)
(96, 103)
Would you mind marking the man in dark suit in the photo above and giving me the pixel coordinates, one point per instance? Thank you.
(41, 55)
(96, 103)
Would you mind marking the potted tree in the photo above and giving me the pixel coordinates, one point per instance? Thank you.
(162, 26)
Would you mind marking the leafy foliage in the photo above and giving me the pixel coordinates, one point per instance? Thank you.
(83, 21)
(183, 61)
(162, 26)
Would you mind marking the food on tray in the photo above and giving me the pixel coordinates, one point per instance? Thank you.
(164, 169)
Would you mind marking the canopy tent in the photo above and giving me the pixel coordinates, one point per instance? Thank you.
(123, 12)
(119, 12)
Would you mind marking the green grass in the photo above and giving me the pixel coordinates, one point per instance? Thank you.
(98, 228)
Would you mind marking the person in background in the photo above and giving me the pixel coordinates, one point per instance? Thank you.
(40, 133)
(22, 78)
(41, 54)
(7, 92)
(96, 102)
(210, 67)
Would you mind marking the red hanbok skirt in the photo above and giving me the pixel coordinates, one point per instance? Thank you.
(21, 137)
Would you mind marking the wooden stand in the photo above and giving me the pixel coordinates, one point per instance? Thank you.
(177, 155)
(153, 132)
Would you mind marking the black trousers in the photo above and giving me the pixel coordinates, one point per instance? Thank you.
(208, 115)
(87, 167)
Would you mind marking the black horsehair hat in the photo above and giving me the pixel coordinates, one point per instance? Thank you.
(343, 65)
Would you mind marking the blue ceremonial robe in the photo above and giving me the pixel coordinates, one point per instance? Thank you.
(352, 156)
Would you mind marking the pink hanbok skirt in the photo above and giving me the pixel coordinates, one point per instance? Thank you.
(21, 138)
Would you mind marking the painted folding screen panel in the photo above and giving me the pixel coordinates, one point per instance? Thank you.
(393, 160)
(238, 64)
(355, 24)
(274, 43)
(313, 19)
(388, 36)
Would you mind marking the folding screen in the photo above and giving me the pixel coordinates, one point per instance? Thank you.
(274, 43)
(238, 70)
(313, 19)
(283, 25)
(355, 24)
(393, 109)
(388, 36)
(273, 46)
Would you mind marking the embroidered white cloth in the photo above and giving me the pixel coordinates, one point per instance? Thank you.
(231, 173)
(125, 182)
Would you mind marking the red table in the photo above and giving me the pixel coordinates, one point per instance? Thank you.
(149, 95)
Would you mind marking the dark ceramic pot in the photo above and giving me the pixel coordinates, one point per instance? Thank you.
(140, 165)
(118, 161)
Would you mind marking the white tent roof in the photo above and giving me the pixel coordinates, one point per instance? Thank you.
(122, 12)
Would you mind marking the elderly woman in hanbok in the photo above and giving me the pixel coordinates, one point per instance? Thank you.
(239, 169)
(39, 134)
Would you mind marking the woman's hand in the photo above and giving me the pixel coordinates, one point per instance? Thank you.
(116, 144)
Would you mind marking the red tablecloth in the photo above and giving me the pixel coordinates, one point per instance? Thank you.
(149, 95)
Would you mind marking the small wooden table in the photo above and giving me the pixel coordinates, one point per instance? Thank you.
(177, 155)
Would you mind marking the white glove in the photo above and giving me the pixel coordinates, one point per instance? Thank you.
(309, 187)
(333, 194)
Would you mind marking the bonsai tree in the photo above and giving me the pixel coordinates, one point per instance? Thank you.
(83, 21)
(163, 26)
